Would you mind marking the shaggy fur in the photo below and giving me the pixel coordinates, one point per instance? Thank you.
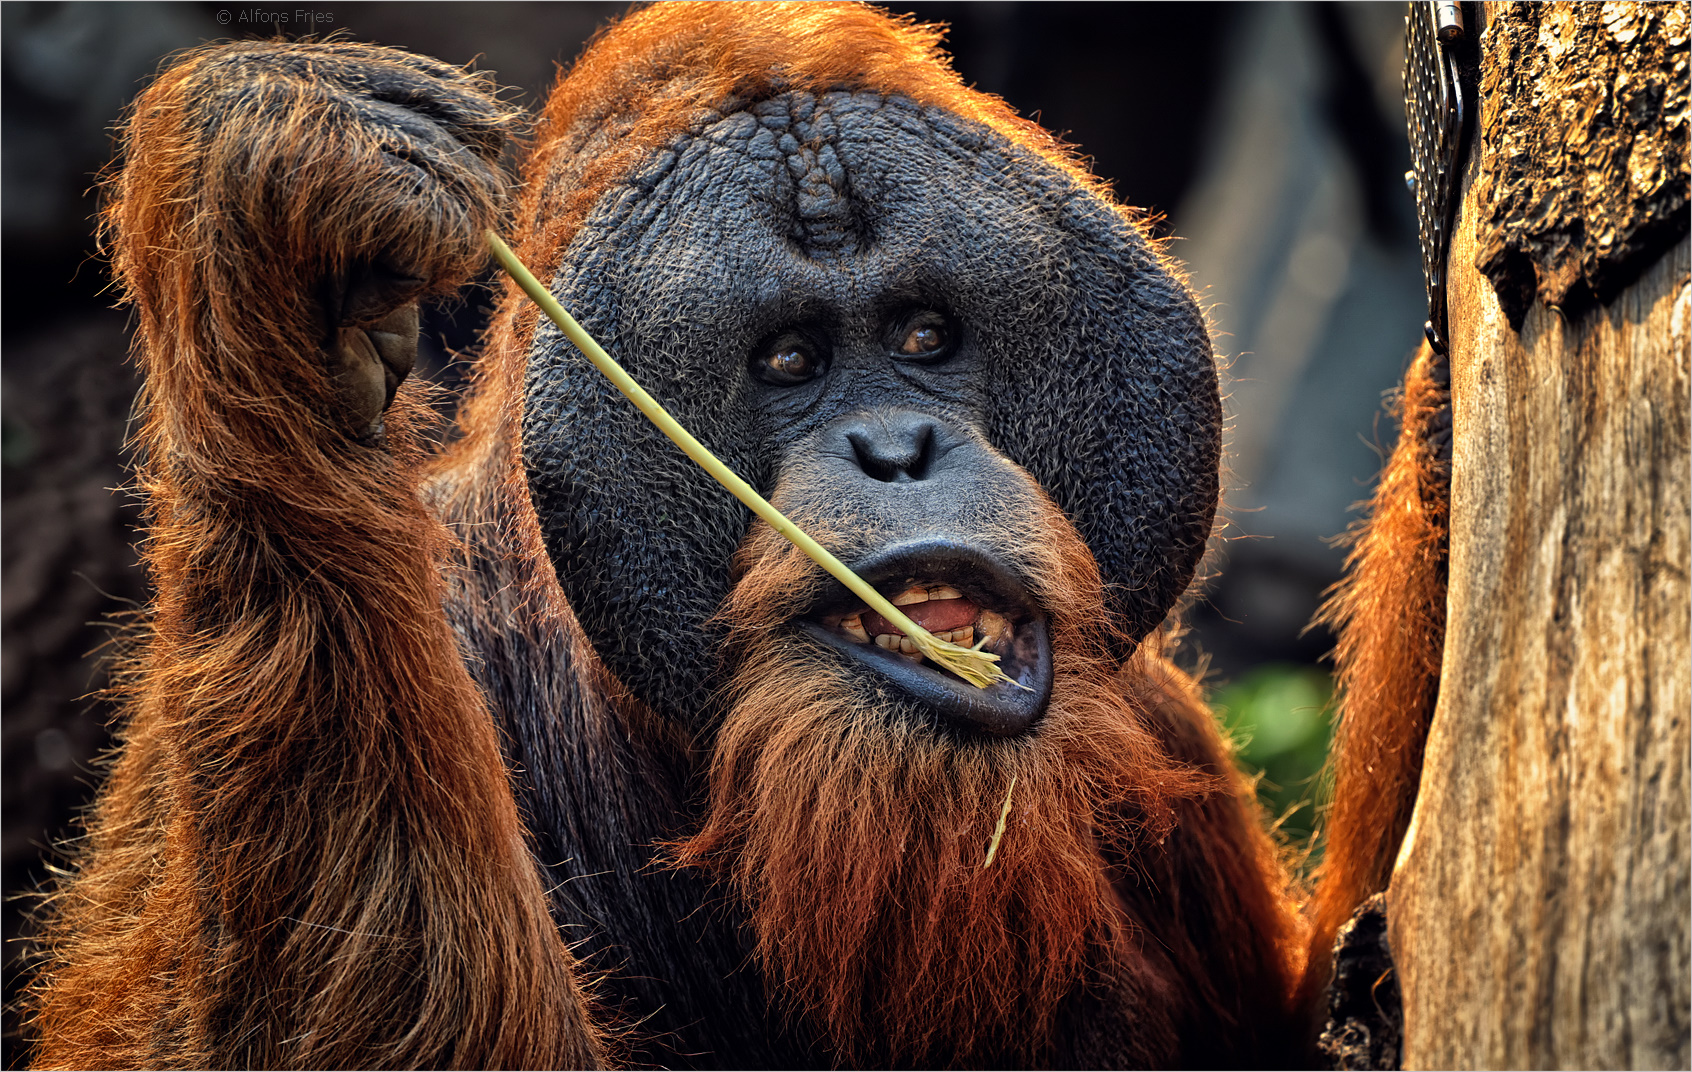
(383, 910)
(1389, 613)
(857, 831)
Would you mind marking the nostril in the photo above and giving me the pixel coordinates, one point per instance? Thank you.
(923, 454)
(894, 453)
(872, 460)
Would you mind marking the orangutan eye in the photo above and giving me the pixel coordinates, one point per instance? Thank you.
(925, 336)
(788, 360)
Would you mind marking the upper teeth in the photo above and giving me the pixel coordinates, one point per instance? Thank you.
(918, 594)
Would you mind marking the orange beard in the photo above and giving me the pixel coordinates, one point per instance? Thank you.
(855, 830)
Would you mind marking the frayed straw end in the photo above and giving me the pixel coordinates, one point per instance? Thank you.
(979, 668)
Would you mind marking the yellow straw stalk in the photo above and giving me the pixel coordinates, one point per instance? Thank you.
(979, 668)
(999, 831)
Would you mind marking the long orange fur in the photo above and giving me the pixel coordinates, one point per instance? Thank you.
(307, 854)
(858, 839)
(1389, 613)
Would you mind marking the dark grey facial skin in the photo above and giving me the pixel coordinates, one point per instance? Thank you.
(825, 224)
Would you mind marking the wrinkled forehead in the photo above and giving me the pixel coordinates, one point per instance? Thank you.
(843, 189)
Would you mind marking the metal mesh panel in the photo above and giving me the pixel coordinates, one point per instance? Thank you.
(1433, 111)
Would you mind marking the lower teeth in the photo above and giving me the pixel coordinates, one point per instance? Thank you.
(992, 627)
(964, 636)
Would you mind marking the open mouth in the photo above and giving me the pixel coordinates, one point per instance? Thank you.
(961, 594)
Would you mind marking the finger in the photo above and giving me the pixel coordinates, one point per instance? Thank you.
(360, 382)
(418, 141)
(368, 364)
(394, 338)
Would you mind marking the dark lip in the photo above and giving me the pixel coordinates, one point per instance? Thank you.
(1002, 710)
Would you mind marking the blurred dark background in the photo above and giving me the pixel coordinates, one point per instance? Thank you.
(1268, 139)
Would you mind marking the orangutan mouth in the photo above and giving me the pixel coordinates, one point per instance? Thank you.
(960, 594)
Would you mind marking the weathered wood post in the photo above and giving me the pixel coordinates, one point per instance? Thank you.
(1539, 910)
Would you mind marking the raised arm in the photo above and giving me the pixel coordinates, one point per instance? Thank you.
(308, 855)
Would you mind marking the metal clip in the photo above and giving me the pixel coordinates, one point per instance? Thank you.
(1448, 20)
(1435, 112)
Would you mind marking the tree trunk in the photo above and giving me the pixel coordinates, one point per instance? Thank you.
(1539, 910)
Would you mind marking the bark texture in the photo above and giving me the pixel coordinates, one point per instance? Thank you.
(1539, 908)
(1583, 167)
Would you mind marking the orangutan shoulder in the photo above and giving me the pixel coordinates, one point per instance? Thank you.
(1173, 704)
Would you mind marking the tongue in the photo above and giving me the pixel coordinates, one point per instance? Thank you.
(936, 616)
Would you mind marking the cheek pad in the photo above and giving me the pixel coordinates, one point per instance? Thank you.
(1098, 371)
(1113, 406)
(640, 537)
